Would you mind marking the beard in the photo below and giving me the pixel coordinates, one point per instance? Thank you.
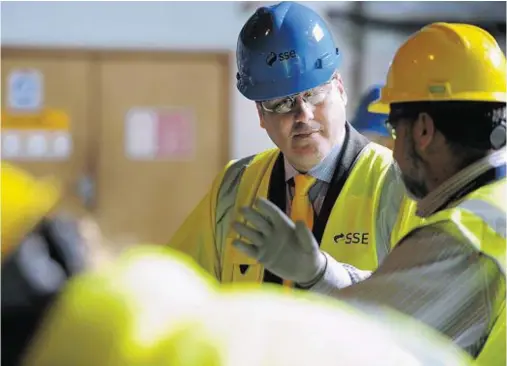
(416, 189)
(413, 178)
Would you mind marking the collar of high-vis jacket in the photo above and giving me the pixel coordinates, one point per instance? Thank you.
(457, 182)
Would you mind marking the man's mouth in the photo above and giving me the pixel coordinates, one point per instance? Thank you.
(303, 135)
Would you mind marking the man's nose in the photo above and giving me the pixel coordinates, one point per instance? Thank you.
(304, 111)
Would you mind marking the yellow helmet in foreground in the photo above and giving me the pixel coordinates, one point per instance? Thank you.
(25, 200)
(117, 316)
(267, 327)
(155, 307)
(445, 62)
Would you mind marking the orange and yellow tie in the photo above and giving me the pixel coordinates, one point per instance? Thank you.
(302, 209)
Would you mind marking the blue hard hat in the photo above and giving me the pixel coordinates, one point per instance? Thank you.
(365, 121)
(282, 50)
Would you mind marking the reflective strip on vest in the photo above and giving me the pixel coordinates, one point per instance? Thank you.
(490, 214)
(391, 197)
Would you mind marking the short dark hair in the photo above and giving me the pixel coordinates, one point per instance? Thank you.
(466, 125)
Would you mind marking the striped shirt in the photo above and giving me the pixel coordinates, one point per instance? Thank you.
(431, 275)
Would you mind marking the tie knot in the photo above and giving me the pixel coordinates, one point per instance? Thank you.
(303, 184)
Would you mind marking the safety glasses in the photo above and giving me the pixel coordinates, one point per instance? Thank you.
(397, 115)
(289, 104)
(390, 128)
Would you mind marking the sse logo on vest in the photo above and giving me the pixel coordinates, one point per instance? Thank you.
(352, 238)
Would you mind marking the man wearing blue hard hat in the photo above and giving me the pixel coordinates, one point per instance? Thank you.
(372, 124)
(323, 172)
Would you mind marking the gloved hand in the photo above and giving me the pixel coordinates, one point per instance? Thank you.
(285, 248)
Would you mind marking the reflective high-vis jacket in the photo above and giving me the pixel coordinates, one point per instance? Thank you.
(479, 220)
(364, 213)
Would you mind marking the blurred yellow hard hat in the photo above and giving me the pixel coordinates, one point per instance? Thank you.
(119, 315)
(25, 201)
(156, 307)
(445, 62)
(252, 326)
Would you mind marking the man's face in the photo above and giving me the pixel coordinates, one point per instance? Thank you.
(411, 164)
(305, 127)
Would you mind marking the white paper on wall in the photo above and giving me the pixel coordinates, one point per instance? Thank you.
(160, 134)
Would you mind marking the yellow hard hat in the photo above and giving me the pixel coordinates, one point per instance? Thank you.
(248, 325)
(120, 314)
(156, 307)
(445, 62)
(25, 201)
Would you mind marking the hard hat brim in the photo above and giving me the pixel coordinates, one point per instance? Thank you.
(285, 87)
(379, 106)
(382, 106)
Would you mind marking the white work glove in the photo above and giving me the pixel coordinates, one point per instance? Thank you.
(286, 249)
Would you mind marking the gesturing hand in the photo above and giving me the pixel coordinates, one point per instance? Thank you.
(285, 248)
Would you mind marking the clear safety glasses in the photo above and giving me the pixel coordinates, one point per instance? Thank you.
(289, 104)
(391, 129)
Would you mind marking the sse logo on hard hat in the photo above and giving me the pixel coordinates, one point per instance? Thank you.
(282, 56)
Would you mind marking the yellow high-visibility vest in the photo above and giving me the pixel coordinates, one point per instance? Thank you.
(350, 235)
(479, 220)
(366, 215)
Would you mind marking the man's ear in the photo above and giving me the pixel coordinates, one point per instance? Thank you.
(341, 88)
(260, 112)
(424, 132)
